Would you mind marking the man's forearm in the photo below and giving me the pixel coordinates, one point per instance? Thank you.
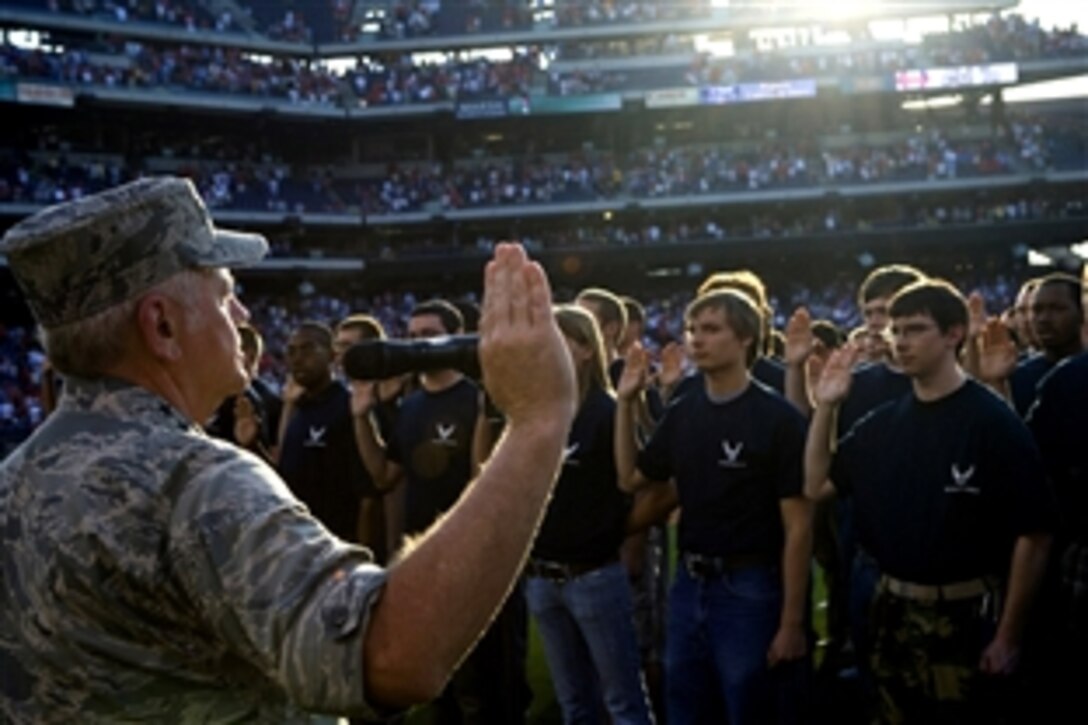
(441, 596)
(1029, 558)
(796, 384)
(625, 444)
(796, 558)
(818, 451)
(370, 450)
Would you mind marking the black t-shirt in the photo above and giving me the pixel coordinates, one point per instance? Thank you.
(941, 489)
(266, 405)
(873, 384)
(771, 373)
(432, 441)
(320, 461)
(733, 461)
(1059, 421)
(586, 516)
(767, 371)
(1024, 382)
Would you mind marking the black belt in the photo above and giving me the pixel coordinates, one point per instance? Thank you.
(702, 566)
(561, 572)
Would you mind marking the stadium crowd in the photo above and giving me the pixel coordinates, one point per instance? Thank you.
(263, 183)
(399, 80)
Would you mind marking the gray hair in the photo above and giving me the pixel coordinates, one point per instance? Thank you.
(86, 348)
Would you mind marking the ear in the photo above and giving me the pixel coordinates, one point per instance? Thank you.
(957, 335)
(159, 322)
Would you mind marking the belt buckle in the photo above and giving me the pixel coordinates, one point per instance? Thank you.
(699, 566)
(553, 571)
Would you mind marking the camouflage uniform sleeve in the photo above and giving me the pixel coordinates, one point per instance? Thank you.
(273, 584)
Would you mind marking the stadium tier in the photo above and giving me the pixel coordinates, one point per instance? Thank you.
(606, 135)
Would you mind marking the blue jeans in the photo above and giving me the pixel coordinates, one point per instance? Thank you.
(720, 629)
(589, 641)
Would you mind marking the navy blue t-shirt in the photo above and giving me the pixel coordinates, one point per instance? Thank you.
(872, 385)
(1059, 421)
(1024, 381)
(941, 489)
(733, 461)
(432, 441)
(767, 371)
(320, 461)
(586, 517)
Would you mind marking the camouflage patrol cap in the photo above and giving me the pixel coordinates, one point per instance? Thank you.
(79, 258)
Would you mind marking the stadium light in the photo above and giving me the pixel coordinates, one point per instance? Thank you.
(1080, 249)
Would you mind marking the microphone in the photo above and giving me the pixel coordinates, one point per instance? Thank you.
(380, 359)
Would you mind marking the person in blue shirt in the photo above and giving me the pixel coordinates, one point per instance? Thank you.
(576, 587)
(951, 502)
(736, 623)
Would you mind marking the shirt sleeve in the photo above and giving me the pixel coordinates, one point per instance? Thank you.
(846, 448)
(274, 585)
(655, 458)
(791, 456)
(1023, 496)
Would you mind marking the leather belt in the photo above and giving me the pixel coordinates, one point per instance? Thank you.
(938, 592)
(562, 572)
(702, 566)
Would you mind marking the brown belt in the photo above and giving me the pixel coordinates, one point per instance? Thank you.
(937, 592)
(561, 572)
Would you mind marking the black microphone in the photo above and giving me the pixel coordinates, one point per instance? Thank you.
(380, 359)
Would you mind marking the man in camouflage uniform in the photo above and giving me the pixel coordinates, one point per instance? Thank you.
(151, 573)
(946, 482)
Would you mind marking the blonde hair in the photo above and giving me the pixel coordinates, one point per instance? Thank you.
(578, 324)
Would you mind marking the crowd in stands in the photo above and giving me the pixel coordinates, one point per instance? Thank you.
(1001, 39)
(400, 80)
(1025, 145)
(216, 69)
(274, 20)
(192, 15)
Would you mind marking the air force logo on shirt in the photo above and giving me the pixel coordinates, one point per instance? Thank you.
(961, 478)
(444, 434)
(315, 438)
(731, 455)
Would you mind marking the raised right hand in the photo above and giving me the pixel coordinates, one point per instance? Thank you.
(837, 375)
(292, 391)
(526, 365)
(636, 365)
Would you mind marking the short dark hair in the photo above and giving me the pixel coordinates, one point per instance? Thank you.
(742, 313)
(885, 281)
(367, 325)
(444, 310)
(1071, 284)
(934, 297)
(470, 314)
(827, 332)
(318, 329)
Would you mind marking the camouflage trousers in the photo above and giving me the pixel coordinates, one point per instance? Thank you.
(925, 659)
